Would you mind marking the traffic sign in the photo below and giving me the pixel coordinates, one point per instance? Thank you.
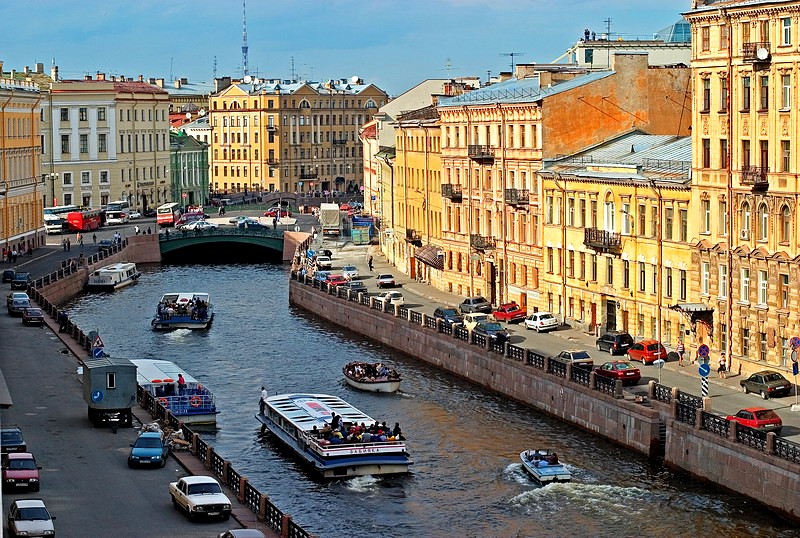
(98, 342)
(97, 396)
(795, 342)
(794, 355)
(659, 363)
(795, 368)
(704, 370)
(703, 350)
(97, 352)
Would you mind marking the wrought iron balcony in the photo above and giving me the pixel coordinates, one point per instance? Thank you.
(755, 176)
(414, 237)
(602, 240)
(480, 153)
(452, 191)
(480, 242)
(339, 141)
(272, 128)
(272, 161)
(517, 197)
(756, 52)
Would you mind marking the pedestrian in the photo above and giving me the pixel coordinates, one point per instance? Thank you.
(68, 244)
(166, 232)
(680, 350)
(80, 242)
(722, 369)
(274, 222)
(262, 402)
(149, 231)
(94, 239)
(181, 384)
(62, 321)
(14, 255)
(136, 229)
(369, 263)
(219, 211)
(64, 245)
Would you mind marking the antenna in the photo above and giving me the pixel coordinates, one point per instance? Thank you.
(608, 27)
(448, 66)
(245, 70)
(512, 54)
(214, 71)
(170, 70)
(293, 73)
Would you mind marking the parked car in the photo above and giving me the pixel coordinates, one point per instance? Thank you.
(18, 306)
(577, 357)
(759, 418)
(200, 496)
(29, 517)
(647, 351)
(767, 383)
(32, 316)
(21, 472)
(148, 449)
(541, 321)
(509, 312)
(491, 330)
(8, 275)
(392, 297)
(324, 262)
(615, 342)
(273, 212)
(15, 295)
(385, 281)
(622, 370)
(473, 318)
(133, 215)
(336, 280)
(475, 304)
(201, 225)
(321, 276)
(104, 245)
(21, 281)
(236, 219)
(350, 272)
(448, 315)
(356, 286)
(241, 533)
(251, 224)
(11, 440)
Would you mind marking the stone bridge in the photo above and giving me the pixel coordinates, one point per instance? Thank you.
(279, 243)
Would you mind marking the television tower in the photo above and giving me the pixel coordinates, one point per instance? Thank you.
(245, 70)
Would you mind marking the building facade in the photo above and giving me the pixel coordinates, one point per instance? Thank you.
(21, 181)
(746, 129)
(106, 140)
(188, 170)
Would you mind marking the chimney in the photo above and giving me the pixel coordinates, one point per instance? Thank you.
(159, 82)
(524, 71)
(101, 76)
(87, 77)
(504, 75)
(26, 70)
(54, 73)
(177, 83)
(151, 80)
(141, 78)
(13, 74)
(1, 68)
(184, 80)
(39, 68)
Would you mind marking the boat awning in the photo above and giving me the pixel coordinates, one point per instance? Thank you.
(697, 313)
(429, 255)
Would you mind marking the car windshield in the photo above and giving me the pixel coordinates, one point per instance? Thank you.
(195, 489)
(580, 355)
(382, 277)
(33, 312)
(450, 312)
(625, 339)
(774, 377)
(492, 326)
(22, 465)
(11, 437)
(148, 442)
(546, 316)
(33, 513)
(766, 414)
(478, 300)
(653, 347)
(622, 366)
(21, 276)
(349, 268)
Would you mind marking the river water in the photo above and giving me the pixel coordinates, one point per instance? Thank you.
(464, 440)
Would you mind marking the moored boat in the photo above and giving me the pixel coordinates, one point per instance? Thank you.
(183, 310)
(112, 277)
(371, 376)
(544, 466)
(303, 423)
(192, 404)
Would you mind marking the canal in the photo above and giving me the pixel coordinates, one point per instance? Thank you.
(465, 441)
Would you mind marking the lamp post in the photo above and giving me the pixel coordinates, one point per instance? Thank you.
(52, 177)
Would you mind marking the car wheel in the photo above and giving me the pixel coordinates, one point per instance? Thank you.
(745, 389)
(764, 395)
(163, 461)
(130, 464)
(598, 347)
(175, 503)
(226, 517)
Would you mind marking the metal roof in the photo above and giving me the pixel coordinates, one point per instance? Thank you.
(289, 87)
(712, 5)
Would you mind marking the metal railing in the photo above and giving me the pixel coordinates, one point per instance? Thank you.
(606, 385)
(479, 152)
(222, 231)
(430, 323)
(715, 424)
(452, 191)
(481, 242)
(685, 413)
(751, 437)
(601, 239)
(517, 197)
(662, 393)
(755, 176)
(517, 353)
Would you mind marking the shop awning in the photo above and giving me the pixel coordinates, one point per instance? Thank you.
(697, 313)
(430, 255)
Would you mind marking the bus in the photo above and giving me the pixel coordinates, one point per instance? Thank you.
(54, 224)
(84, 221)
(61, 210)
(168, 214)
(117, 212)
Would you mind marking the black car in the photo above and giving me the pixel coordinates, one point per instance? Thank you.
(105, 245)
(475, 304)
(11, 440)
(21, 281)
(8, 275)
(767, 383)
(492, 330)
(448, 315)
(615, 342)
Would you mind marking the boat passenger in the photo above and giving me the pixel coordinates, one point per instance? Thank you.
(366, 437)
(398, 434)
(315, 432)
(334, 421)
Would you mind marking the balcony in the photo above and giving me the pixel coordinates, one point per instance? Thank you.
(272, 128)
(339, 141)
(517, 197)
(414, 237)
(756, 52)
(480, 153)
(755, 176)
(272, 161)
(451, 191)
(602, 240)
(308, 175)
(480, 242)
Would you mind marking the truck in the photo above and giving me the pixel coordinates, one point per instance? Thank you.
(330, 219)
(109, 389)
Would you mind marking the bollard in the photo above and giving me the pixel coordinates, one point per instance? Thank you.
(242, 488)
(618, 389)
(651, 389)
(733, 427)
(698, 418)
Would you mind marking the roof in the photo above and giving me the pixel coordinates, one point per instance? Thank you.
(30, 503)
(308, 410)
(199, 479)
(287, 87)
(524, 90)
(136, 87)
(714, 5)
(157, 372)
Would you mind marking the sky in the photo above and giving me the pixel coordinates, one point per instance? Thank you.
(391, 43)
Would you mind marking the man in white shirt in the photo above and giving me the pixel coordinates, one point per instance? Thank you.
(262, 403)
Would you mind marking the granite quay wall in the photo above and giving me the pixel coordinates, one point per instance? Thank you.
(668, 422)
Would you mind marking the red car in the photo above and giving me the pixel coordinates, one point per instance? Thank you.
(509, 312)
(336, 280)
(759, 418)
(274, 213)
(622, 370)
(20, 471)
(647, 351)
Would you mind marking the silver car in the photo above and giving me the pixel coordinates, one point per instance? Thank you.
(350, 272)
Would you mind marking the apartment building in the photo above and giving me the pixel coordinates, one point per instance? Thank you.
(188, 170)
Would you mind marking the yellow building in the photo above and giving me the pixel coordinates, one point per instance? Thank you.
(296, 136)
(21, 188)
(417, 228)
(746, 129)
(607, 262)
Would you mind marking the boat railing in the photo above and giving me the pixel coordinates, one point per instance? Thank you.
(317, 441)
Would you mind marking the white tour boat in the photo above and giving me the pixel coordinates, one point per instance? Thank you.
(183, 310)
(372, 377)
(299, 420)
(194, 404)
(114, 276)
(544, 465)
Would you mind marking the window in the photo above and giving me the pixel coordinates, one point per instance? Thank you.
(571, 212)
(642, 277)
(67, 176)
(786, 25)
(86, 178)
(67, 198)
(83, 114)
(594, 267)
(764, 95)
(745, 339)
(626, 274)
(763, 286)
(684, 225)
(745, 93)
(64, 114)
(762, 347)
(654, 290)
(783, 279)
(705, 38)
(744, 285)
(706, 153)
(582, 257)
(786, 155)
(705, 277)
(102, 143)
(104, 176)
(593, 216)
(653, 221)
(642, 218)
(610, 271)
(785, 224)
(763, 222)
(668, 287)
(723, 217)
(723, 336)
(550, 259)
(746, 217)
(84, 143)
(763, 147)
(706, 216)
(549, 210)
(64, 143)
(723, 95)
(683, 284)
(706, 95)
(668, 223)
(722, 278)
(609, 215)
(723, 153)
(626, 218)
(101, 113)
(745, 153)
(786, 93)
(724, 36)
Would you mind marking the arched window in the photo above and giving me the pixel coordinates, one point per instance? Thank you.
(609, 213)
(785, 225)
(763, 222)
(304, 104)
(746, 217)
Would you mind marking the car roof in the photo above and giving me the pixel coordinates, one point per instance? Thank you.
(150, 434)
(648, 341)
(754, 409)
(19, 456)
(509, 304)
(765, 372)
(30, 503)
(199, 479)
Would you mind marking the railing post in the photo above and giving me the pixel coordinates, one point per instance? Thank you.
(262, 507)
(285, 520)
(770, 446)
(209, 452)
(546, 363)
(651, 389)
(526, 355)
(488, 343)
(424, 318)
(506, 349)
(733, 427)
(698, 418)
(707, 404)
(242, 488)
(618, 388)
(396, 310)
(438, 325)
(673, 406)
(569, 370)
(371, 303)
(592, 380)
(225, 466)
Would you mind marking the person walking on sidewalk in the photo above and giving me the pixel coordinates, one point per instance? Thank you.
(680, 350)
(369, 263)
(722, 370)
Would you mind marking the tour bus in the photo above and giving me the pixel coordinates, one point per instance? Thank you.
(84, 221)
(61, 210)
(168, 214)
(54, 224)
(117, 212)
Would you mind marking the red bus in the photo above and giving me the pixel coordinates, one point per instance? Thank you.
(84, 221)
(168, 214)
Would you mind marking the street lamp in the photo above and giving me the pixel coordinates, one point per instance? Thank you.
(52, 177)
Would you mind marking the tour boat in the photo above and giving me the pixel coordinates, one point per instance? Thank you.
(112, 277)
(543, 464)
(373, 377)
(195, 404)
(183, 310)
(298, 421)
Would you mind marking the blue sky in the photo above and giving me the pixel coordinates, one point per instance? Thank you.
(394, 44)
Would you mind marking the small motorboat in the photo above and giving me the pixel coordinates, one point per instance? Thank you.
(371, 376)
(544, 466)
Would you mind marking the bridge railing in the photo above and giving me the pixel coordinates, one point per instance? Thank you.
(167, 235)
